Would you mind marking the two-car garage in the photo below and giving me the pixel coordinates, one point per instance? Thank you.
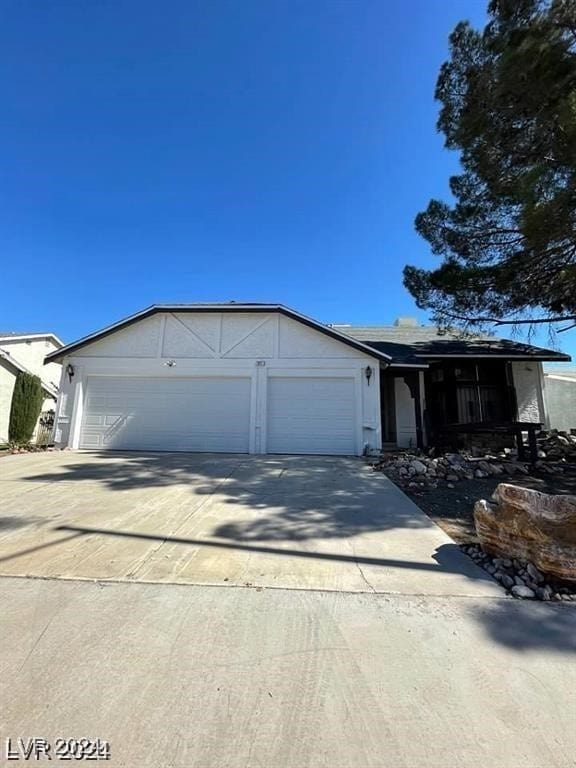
(219, 378)
(313, 415)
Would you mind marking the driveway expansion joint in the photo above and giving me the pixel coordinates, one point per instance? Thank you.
(100, 582)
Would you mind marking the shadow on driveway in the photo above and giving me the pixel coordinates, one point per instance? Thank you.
(274, 501)
(299, 497)
(527, 625)
(447, 557)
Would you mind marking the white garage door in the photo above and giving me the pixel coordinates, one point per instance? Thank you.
(180, 414)
(311, 415)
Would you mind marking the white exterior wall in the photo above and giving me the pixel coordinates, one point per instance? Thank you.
(31, 355)
(560, 398)
(528, 382)
(258, 345)
(64, 408)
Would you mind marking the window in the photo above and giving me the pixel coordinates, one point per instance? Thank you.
(463, 392)
(469, 408)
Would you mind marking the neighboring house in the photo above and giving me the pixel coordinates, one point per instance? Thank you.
(560, 397)
(25, 352)
(262, 378)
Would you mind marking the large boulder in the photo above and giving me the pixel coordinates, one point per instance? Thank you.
(531, 526)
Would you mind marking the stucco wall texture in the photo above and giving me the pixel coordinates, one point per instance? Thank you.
(528, 380)
(560, 394)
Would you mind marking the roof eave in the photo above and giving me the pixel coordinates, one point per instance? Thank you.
(24, 336)
(49, 389)
(552, 357)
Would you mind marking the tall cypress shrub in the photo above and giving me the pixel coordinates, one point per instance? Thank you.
(27, 401)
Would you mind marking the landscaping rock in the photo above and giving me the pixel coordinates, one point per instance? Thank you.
(534, 573)
(523, 592)
(533, 527)
(510, 578)
(554, 451)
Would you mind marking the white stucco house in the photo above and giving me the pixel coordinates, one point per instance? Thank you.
(263, 378)
(26, 352)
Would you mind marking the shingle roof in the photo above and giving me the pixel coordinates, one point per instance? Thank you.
(412, 345)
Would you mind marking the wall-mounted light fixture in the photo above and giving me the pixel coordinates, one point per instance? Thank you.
(170, 363)
(368, 373)
(70, 371)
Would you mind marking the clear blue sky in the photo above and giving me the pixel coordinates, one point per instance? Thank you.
(198, 150)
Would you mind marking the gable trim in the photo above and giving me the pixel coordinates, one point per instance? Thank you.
(280, 309)
(211, 352)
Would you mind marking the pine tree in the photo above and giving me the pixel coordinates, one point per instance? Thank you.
(508, 241)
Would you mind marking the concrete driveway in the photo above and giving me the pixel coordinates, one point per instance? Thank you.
(292, 522)
(182, 676)
(439, 671)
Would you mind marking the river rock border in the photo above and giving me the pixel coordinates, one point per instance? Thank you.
(520, 579)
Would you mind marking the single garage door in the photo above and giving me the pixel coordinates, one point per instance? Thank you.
(311, 415)
(179, 414)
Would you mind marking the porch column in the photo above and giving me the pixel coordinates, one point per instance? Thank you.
(412, 381)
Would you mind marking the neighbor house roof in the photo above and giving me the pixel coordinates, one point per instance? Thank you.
(21, 336)
(231, 306)
(17, 366)
(414, 345)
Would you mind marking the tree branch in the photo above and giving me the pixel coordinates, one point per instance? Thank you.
(498, 321)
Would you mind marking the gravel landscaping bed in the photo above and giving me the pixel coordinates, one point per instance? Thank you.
(453, 508)
(520, 579)
(446, 487)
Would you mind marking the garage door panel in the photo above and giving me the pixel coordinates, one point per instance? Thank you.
(315, 415)
(188, 414)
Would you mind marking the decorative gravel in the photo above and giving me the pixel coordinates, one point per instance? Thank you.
(520, 579)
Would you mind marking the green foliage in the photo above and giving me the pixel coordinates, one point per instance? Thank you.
(27, 401)
(508, 240)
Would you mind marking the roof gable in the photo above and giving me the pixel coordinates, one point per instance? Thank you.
(190, 337)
